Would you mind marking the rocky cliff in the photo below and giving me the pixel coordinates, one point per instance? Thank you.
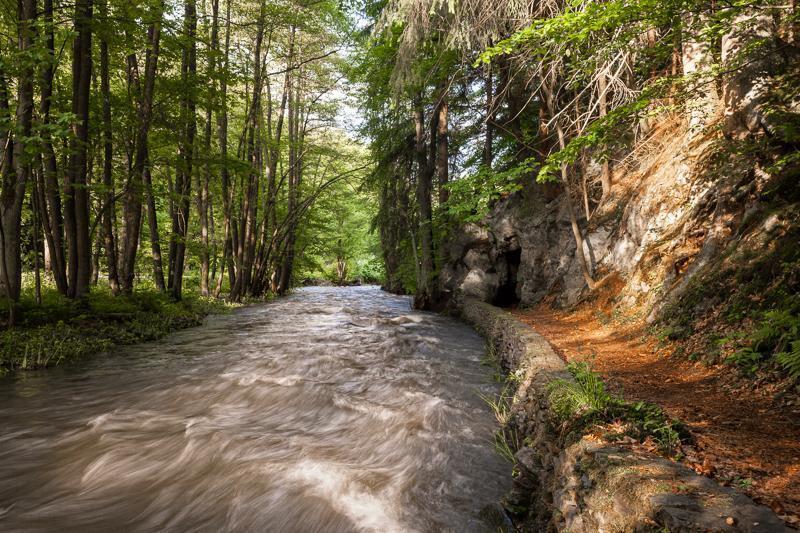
(681, 208)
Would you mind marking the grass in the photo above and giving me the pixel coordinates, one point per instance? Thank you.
(59, 330)
(506, 440)
(584, 403)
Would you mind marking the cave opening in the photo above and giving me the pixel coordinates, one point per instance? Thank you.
(506, 295)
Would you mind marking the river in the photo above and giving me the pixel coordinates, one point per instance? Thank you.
(333, 409)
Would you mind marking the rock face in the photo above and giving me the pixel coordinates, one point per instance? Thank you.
(592, 486)
(664, 219)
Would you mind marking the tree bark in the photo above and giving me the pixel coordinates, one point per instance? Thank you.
(14, 180)
(573, 218)
(424, 297)
(222, 134)
(152, 225)
(133, 189)
(605, 172)
(52, 216)
(203, 189)
(78, 238)
(109, 214)
(443, 147)
(183, 178)
(488, 141)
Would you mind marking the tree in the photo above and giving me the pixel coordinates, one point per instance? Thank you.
(16, 161)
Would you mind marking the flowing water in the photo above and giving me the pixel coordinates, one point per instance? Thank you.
(328, 410)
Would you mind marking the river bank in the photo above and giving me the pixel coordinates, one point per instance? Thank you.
(60, 330)
(582, 462)
(745, 431)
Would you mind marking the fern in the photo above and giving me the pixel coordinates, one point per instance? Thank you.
(777, 335)
(791, 359)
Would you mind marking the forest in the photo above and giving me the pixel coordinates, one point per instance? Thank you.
(619, 175)
(160, 147)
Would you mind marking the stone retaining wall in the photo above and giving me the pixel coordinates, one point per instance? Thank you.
(590, 486)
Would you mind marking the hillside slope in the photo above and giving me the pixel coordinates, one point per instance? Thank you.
(697, 253)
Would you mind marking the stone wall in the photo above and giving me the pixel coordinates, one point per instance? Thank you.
(591, 486)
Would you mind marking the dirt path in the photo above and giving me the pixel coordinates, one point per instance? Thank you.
(742, 438)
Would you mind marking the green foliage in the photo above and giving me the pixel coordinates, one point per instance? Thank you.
(777, 335)
(586, 396)
(62, 330)
(506, 439)
(338, 233)
(472, 196)
(584, 403)
(754, 288)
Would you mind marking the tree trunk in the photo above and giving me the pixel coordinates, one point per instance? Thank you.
(152, 225)
(133, 189)
(51, 209)
(183, 177)
(78, 238)
(573, 218)
(285, 277)
(109, 213)
(14, 180)
(488, 141)
(222, 133)
(443, 147)
(424, 296)
(605, 172)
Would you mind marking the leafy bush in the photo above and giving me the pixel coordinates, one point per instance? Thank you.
(584, 403)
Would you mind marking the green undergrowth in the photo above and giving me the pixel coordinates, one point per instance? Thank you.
(584, 404)
(776, 337)
(60, 330)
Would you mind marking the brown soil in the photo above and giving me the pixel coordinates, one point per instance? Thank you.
(744, 437)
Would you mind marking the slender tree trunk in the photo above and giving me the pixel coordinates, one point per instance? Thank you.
(52, 217)
(14, 180)
(109, 214)
(443, 147)
(573, 219)
(80, 245)
(152, 224)
(269, 227)
(605, 173)
(424, 297)
(222, 134)
(133, 189)
(488, 141)
(253, 153)
(203, 189)
(37, 237)
(285, 275)
(183, 178)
